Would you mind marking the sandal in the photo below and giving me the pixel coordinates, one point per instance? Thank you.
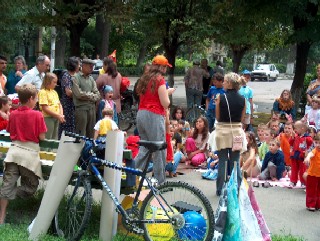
(256, 184)
(266, 184)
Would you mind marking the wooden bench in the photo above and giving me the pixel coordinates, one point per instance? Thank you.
(47, 158)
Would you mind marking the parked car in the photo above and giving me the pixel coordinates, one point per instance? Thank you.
(265, 72)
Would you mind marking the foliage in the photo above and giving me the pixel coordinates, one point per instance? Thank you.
(176, 23)
(281, 68)
(137, 71)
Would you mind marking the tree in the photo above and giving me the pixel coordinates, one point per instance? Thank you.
(244, 30)
(302, 19)
(175, 23)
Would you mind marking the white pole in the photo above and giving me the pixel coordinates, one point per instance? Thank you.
(58, 181)
(109, 216)
(53, 45)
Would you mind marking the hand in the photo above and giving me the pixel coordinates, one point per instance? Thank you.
(19, 73)
(61, 119)
(171, 90)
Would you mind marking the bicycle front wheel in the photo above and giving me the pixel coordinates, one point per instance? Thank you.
(73, 214)
(178, 211)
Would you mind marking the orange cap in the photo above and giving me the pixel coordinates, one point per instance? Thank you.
(161, 60)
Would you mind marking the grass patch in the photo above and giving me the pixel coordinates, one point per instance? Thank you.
(22, 212)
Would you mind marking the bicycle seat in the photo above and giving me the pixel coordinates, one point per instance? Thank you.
(153, 145)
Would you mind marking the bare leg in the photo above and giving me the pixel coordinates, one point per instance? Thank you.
(3, 209)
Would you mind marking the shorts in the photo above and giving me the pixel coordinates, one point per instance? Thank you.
(247, 119)
(29, 182)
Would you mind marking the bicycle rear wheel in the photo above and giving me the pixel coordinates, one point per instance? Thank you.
(125, 120)
(186, 214)
(73, 214)
(193, 114)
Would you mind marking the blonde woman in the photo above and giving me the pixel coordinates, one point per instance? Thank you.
(231, 104)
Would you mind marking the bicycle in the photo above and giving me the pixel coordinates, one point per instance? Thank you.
(194, 113)
(170, 211)
(127, 118)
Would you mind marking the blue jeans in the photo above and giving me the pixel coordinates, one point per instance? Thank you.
(193, 97)
(226, 155)
(177, 159)
(211, 116)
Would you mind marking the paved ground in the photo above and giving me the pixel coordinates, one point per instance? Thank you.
(283, 209)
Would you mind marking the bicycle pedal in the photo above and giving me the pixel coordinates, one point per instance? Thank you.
(138, 231)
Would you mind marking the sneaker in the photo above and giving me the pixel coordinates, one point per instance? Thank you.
(291, 185)
(311, 209)
(303, 186)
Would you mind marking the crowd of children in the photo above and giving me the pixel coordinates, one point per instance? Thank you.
(283, 147)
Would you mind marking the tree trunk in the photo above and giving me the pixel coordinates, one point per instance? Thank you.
(99, 30)
(105, 40)
(301, 67)
(61, 43)
(237, 55)
(142, 54)
(76, 31)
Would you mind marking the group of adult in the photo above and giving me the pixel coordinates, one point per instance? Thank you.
(80, 92)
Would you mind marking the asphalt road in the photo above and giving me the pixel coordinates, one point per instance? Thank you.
(284, 209)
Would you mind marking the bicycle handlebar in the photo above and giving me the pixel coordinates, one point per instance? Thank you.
(79, 137)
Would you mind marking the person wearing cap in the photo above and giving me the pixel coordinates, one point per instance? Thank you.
(107, 102)
(154, 101)
(85, 95)
(194, 84)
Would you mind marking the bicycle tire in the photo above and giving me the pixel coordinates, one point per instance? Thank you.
(188, 205)
(125, 120)
(193, 114)
(73, 214)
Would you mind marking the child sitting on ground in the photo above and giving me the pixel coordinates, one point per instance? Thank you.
(313, 178)
(273, 163)
(212, 166)
(249, 160)
(5, 105)
(26, 127)
(260, 133)
(264, 147)
(300, 143)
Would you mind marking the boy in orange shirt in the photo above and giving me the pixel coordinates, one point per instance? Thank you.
(313, 179)
(284, 138)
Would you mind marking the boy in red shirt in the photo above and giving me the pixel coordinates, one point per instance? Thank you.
(313, 179)
(26, 127)
(300, 143)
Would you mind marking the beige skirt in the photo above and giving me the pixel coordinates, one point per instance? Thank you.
(25, 154)
(224, 133)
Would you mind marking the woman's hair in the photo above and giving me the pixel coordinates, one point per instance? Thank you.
(205, 131)
(233, 79)
(173, 115)
(107, 60)
(112, 69)
(48, 78)
(21, 58)
(3, 100)
(152, 75)
(73, 63)
(252, 141)
(284, 91)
